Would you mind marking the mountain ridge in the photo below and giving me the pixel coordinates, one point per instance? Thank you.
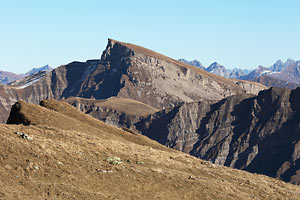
(127, 71)
(280, 74)
(9, 77)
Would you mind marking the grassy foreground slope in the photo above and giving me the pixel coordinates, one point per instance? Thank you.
(68, 159)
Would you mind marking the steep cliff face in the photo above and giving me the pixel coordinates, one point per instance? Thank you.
(159, 81)
(249, 86)
(255, 133)
(126, 71)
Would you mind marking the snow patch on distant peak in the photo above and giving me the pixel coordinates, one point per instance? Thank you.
(265, 72)
(274, 72)
(28, 83)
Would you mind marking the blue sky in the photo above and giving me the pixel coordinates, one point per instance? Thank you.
(235, 33)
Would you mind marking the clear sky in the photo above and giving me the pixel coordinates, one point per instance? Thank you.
(235, 33)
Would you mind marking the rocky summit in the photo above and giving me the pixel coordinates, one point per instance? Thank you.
(127, 71)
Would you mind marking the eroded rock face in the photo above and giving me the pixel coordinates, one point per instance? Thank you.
(260, 134)
(134, 72)
(126, 71)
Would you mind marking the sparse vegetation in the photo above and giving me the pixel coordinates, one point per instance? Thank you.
(71, 162)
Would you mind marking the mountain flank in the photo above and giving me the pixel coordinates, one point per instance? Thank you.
(92, 160)
(242, 131)
(259, 134)
(125, 71)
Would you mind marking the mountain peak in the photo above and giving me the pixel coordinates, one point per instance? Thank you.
(36, 70)
(289, 61)
(260, 67)
(215, 64)
(193, 62)
(112, 42)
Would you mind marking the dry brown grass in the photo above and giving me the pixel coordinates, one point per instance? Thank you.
(128, 106)
(69, 163)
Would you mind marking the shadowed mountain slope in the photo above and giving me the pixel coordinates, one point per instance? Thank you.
(255, 133)
(73, 162)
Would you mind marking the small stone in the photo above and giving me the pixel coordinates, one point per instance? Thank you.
(103, 171)
(24, 135)
(19, 133)
(192, 178)
(36, 167)
(29, 138)
(60, 163)
(113, 160)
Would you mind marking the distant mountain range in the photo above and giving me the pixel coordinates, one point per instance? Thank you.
(280, 74)
(218, 69)
(36, 70)
(9, 77)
